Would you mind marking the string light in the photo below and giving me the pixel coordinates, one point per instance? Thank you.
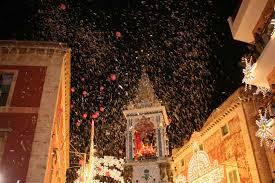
(200, 170)
(261, 89)
(181, 179)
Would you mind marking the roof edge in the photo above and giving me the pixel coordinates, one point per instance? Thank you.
(34, 44)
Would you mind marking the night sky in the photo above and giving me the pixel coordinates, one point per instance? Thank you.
(185, 45)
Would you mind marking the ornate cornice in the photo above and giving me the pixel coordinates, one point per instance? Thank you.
(32, 47)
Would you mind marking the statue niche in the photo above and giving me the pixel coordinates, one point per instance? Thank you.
(145, 140)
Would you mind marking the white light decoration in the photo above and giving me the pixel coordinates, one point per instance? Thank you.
(261, 89)
(181, 179)
(264, 131)
(108, 166)
(200, 170)
(248, 72)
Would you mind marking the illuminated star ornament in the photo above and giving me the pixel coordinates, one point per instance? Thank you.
(263, 90)
(264, 131)
(248, 72)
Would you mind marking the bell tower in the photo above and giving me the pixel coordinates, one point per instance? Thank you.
(147, 147)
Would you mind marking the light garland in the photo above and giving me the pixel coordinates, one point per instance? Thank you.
(200, 170)
(264, 131)
(181, 179)
(261, 89)
(108, 166)
(248, 72)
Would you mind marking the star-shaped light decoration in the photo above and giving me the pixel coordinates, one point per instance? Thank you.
(265, 124)
(263, 90)
(248, 72)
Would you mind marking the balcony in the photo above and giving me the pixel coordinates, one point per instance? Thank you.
(264, 49)
(264, 65)
(246, 20)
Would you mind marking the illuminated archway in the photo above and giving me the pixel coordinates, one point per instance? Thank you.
(200, 170)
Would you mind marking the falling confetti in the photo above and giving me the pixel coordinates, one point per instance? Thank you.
(185, 46)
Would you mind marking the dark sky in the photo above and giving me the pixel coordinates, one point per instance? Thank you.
(13, 13)
(185, 45)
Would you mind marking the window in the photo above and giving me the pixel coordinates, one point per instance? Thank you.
(6, 86)
(224, 130)
(233, 175)
(201, 147)
(182, 162)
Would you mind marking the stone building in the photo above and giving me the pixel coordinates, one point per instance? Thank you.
(147, 148)
(34, 111)
(253, 22)
(231, 150)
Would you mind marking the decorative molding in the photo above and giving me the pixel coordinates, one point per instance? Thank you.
(19, 109)
(32, 47)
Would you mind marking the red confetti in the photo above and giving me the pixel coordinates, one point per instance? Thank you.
(72, 90)
(78, 123)
(95, 115)
(84, 93)
(84, 116)
(101, 109)
(113, 77)
(62, 6)
(118, 35)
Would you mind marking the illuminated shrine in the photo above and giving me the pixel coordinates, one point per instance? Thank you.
(147, 148)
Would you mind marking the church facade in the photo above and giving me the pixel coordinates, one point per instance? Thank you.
(34, 111)
(231, 151)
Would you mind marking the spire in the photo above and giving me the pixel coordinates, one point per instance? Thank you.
(145, 96)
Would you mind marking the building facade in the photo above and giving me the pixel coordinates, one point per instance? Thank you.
(253, 22)
(250, 17)
(229, 143)
(147, 147)
(34, 112)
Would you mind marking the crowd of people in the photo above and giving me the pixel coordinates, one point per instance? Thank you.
(185, 46)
